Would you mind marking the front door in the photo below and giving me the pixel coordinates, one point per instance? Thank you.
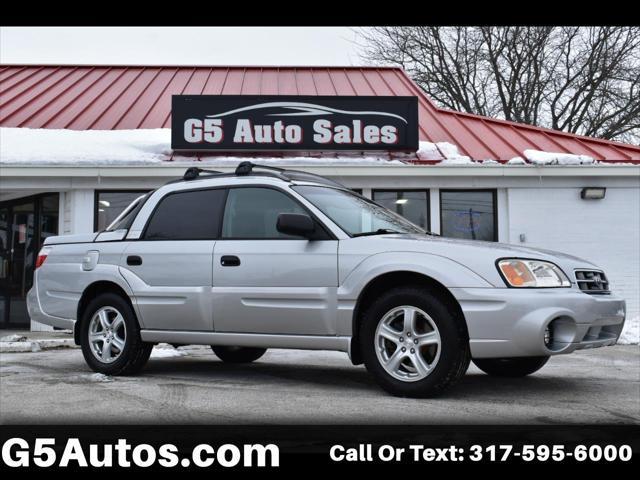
(267, 282)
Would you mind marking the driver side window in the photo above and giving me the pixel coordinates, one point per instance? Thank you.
(252, 213)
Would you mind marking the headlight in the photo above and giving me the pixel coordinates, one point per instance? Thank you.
(532, 274)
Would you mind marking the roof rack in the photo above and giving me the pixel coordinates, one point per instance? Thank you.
(248, 168)
(194, 172)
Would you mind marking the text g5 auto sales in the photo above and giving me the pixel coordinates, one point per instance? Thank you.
(212, 131)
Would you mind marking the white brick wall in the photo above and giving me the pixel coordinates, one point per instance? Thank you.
(606, 232)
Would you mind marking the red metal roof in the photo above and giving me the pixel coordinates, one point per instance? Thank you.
(132, 97)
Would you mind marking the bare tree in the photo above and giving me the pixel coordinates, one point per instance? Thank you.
(583, 80)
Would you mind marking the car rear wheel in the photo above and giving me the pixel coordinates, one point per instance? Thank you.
(413, 343)
(510, 367)
(110, 337)
(238, 354)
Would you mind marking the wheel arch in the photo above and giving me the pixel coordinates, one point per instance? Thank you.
(393, 279)
(92, 291)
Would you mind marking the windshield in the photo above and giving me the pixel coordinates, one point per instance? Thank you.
(355, 214)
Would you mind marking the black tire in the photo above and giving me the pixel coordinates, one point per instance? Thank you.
(510, 367)
(135, 353)
(238, 354)
(454, 345)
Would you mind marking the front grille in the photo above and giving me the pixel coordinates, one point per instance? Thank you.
(592, 281)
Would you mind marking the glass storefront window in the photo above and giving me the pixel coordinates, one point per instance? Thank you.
(48, 216)
(109, 204)
(24, 224)
(469, 214)
(411, 204)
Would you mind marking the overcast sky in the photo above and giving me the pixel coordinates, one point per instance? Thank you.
(187, 46)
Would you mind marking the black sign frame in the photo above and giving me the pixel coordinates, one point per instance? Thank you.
(367, 118)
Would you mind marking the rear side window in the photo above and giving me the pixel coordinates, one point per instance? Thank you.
(194, 215)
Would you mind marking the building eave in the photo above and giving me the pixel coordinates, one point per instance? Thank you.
(171, 170)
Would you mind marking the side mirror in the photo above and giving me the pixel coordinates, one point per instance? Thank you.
(295, 224)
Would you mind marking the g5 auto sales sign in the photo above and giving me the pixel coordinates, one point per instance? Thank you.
(260, 123)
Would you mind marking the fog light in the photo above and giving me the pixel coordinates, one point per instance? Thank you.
(548, 336)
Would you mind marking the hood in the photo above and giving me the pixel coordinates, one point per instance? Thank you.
(477, 255)
(505, 249)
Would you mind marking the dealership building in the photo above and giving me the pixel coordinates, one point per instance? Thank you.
(79, 143)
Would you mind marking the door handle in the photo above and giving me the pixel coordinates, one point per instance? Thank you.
(229, 261)
(134, 260)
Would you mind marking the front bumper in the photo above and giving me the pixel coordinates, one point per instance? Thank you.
(506, 322)
(36, 314)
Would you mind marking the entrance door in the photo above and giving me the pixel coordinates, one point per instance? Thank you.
(5, 258)
(22, 251)
(24, 224)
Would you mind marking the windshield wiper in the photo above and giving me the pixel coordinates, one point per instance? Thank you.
(380, 231)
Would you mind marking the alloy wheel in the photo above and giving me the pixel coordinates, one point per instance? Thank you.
(107, 334)
(408, 343)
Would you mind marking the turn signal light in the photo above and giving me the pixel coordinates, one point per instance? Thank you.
(42, 256)
(525, 273)
(517, 274)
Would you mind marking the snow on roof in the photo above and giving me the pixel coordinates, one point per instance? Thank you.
(25, 146)
(20, 146)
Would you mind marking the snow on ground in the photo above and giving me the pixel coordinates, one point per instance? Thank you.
(631, 332)
(164, 350)
(99, 378)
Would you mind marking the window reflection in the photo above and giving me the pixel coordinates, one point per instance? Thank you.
(468, 214)
(411, 204)
(110, 204)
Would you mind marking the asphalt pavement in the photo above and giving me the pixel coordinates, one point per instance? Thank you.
(191, 386)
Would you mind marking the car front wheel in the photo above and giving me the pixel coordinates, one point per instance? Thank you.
(510, 367)
(110, 337)
(413, 343)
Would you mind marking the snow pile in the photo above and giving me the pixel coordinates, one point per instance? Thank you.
(517, 161)
(631, 333)
(538, 157)
(13, 338)
(445, 152)
(99, 378)
(164, 350)
(19, 347)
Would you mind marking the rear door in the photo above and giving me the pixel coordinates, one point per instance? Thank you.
(267, 282)
(170, 267)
